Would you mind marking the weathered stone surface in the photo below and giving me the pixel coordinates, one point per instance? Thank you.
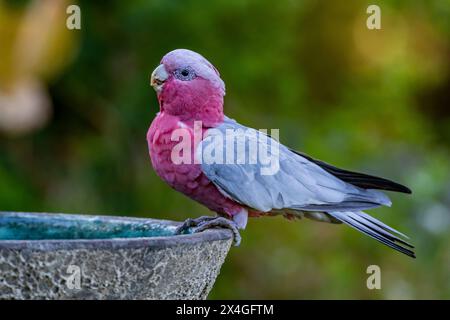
(168, 267)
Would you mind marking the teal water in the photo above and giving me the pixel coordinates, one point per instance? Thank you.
(37, 228)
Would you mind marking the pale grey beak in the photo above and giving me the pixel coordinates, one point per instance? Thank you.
(159, 76)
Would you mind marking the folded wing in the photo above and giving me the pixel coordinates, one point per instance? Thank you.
(298, 184)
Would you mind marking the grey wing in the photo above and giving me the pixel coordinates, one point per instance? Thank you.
(297, 184)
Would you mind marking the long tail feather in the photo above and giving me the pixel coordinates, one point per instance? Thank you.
(375, 229)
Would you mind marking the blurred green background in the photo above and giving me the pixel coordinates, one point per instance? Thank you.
(75, 107)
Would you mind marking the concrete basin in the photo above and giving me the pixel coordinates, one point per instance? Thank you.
(62, 256)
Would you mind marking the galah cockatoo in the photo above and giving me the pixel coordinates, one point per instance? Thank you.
(190, 94)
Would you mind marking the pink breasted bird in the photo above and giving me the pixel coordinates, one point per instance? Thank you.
(191, 92)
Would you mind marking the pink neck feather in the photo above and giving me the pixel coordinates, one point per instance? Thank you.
(193, 101)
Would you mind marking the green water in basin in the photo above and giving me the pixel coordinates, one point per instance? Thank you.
(48, 228)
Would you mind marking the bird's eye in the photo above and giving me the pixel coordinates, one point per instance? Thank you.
(185, 74)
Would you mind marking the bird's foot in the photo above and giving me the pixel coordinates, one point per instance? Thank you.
(221, 222)
(207, 222)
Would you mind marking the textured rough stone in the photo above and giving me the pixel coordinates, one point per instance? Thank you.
(169, 267)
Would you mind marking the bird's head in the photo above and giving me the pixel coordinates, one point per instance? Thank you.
(189, 87)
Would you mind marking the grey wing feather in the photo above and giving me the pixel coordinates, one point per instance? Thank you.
(298, 184)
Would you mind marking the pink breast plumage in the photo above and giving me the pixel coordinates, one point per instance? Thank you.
(185, 177)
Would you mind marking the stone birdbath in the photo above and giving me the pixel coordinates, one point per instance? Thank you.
(62, 256)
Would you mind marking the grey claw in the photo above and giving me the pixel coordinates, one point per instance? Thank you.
(188, 223)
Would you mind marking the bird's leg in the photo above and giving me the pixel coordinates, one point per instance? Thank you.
(206, 222)
(188, 223)
(221, 222)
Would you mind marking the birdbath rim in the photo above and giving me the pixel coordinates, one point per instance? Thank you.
(164, 241)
